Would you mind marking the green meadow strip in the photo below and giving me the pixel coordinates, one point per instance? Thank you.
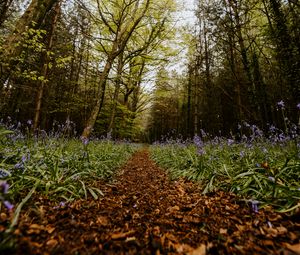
(262, 171)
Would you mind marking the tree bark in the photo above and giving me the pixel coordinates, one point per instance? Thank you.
(116, 92)
(45, 70)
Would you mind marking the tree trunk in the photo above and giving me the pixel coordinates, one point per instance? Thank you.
(116, 92)
(100, 99)
(42, 84)
(122, 36)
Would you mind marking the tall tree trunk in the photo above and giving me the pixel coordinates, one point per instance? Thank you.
(116, 92)
(45, 69)
(189, 102)
(286, 57)
(196, 95)
(137, 87)
(245, 60)
(100, 99)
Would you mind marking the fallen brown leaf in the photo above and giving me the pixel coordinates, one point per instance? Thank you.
(122, 235)
(223, 231)
(201, 250)
(52, 242)
(294, 247)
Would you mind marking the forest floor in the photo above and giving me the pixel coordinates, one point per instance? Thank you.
(144, 212)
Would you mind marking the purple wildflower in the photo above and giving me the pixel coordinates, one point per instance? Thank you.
(4, 186)
(242, 154)
(272, 128)
(280, 104)
(254, 205)
(230, 142)
(24, 158)
(281, 137)
(84, 140)
(3, 173)
(197, 141)
(8, 205)
(19, 165)
(298, 106)
(29, 122)
(203, 134)
(62, 204)
(271, 178)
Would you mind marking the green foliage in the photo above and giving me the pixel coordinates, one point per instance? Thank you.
(63, 169)
(262, 171)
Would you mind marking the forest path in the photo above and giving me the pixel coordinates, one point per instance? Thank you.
(143, 212)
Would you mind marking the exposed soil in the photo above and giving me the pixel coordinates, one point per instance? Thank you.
(143, 212)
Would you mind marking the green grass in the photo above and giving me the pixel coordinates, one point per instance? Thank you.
(63, 169)
(261, 171)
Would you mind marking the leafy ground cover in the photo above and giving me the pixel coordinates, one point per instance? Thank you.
(53, 167)
(66, 196)
(144, 212)
(263, 170)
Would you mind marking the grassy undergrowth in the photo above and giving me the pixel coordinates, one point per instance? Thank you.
(266, 171)
(61, 169)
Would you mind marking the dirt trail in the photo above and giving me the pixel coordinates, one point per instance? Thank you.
(143, 212)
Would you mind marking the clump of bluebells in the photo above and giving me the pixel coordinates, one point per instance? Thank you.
(4, 186)
(262, 166)
(63, 168)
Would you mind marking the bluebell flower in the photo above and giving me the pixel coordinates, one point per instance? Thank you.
(4, 186)
(3, 173)
(298, 106)
(271, 178)
(280, 104)
(60, 205)
(272, 128)
(197, 141)
(230, 142)
(8, 205)
(281, 137)
(19, 165)
(84, 140)
(203, 134)
(254, 205)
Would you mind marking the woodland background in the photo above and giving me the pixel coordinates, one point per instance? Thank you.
(103, 67)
